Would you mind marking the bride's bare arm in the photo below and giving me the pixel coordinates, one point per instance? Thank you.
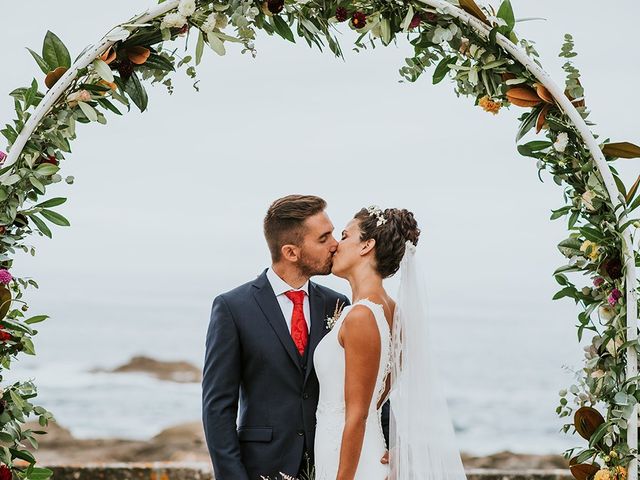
(360, 337)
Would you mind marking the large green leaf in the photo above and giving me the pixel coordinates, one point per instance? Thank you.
(41, 225)
(528, 123)
(54, 52)
(55, 217)
(443, 68)
(282, 28)
(136, 91)
(40, 61)
(199, 47)
(505, 12)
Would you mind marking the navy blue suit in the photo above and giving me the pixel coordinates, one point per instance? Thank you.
(251, 360)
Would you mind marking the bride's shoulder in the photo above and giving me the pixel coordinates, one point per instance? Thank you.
(359, 323)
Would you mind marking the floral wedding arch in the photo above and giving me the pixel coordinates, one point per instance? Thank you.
(477, 47)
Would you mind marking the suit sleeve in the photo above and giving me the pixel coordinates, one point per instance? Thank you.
(220, 391)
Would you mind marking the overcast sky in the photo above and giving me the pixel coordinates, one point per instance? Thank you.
(167, 206)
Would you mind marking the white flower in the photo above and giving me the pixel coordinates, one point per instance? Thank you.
(222, 21)
(606, 312)
(444, 34)
(173, 20)
(186, 8)
(209, 24)
(561, 142)
(612, 347)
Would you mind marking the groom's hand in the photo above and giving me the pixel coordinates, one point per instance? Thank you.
(385, 458)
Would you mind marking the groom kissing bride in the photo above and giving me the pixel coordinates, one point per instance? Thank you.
(297, 378)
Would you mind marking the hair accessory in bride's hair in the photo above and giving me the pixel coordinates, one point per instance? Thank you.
(409, 247)
(375, 210)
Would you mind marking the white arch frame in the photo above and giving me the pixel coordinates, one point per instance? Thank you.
(481, 28)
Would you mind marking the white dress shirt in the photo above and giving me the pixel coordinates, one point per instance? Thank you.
(279, 288)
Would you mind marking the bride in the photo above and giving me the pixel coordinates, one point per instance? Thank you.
(376, 350)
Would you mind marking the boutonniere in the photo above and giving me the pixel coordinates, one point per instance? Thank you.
(331, 321)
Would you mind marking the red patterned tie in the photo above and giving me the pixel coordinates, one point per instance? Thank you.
(299, 331)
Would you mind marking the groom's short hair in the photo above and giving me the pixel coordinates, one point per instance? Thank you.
(284, 221)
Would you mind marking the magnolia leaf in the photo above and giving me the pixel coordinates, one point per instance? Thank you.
(136, 91)
(505, 12)
(88, 111)
(621, 150)
(472, 7)
(54, 75)
(40, 61)
(584, 471)
(5, 301)
(216, 44)
(586, 421)
(54, 52)
(282, 28)
(633, 190)
(103, 70)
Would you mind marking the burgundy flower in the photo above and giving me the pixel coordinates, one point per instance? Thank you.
(598, 281)
(275, 6)
(50, 159)
(3, 156)
(415, 21)
(5, 473)
(341, 14)
(611, 266)
(125, 68)
(431, 17)
(358, 20)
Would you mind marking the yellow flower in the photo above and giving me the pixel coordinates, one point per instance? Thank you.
(620, 473)
(590, 249)
(602, 474)
(489, 105)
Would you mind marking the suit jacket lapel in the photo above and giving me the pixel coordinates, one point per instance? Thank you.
(269, 305)
(318, 329)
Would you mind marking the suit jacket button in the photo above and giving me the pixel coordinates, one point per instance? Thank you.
(305, 396)
(301, 432)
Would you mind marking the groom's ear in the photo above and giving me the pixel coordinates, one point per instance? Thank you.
(290, 253)
(367, 247)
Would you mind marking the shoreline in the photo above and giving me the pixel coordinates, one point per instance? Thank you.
(185, 443)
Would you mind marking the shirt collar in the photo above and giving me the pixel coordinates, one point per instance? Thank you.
(279, 286)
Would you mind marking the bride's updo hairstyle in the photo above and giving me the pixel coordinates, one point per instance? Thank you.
(391, 229)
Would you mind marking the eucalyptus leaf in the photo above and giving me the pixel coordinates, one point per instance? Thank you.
(103, 70)
(216, 44)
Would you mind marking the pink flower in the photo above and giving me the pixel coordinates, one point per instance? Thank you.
(5, 277)
(3, 156)
(614, 296)
(598, 281)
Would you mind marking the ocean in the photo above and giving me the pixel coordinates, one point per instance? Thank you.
(502, 369)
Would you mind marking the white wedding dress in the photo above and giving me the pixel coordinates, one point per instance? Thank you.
(329, 363)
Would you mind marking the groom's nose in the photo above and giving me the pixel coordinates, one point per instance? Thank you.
(334, 245)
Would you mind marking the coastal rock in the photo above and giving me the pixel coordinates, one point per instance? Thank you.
(173, 371)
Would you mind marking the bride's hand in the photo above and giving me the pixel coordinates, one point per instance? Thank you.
(385, 458)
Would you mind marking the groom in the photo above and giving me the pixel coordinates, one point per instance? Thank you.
(259, 350)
